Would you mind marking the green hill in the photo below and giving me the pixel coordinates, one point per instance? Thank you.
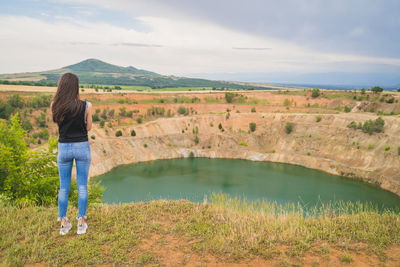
(94, 71)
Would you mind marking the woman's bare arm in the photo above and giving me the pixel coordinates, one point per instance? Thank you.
(89, 116)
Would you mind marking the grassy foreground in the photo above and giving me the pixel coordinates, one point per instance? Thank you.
(227, 230)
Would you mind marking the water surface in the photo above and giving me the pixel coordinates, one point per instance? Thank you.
(192, 178)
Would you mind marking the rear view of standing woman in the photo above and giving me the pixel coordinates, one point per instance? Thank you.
(74, 119)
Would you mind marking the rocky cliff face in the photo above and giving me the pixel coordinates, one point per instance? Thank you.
(327, 145)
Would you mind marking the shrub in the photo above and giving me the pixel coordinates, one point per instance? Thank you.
(253, 109)
(191, 154)
(44, 134)
(220, 126)
(139, 119)
(376, 89)
(102, 123)
(16, 101)
(40, 100)
(229, 97)
(252, 126)
(41, 120)
(118, 133)
(369, 126)
(196, 140)
(398, 150)
(243, 143)
(93, 137)
(30, 177)
(211, 124)
(288, 127)
(145, 145)
(390, 100)
(318, 118)
(122, 111)
(133, 133)
(182, 110)
(347, 109)
(95, 117)
(315, 93)
(97, 110)
(109, 125)
(387, 148)
(27, 125)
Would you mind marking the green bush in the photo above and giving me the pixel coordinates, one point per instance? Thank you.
(347, 109)
(242, 143)
(31, 177)
(95, 117)
(387, 148)
(376, 89)
(93, 137)
(318, 118)
(26, 124)
(39, 101)
(253, 109)
(44, 134)
(252, 126)
(16, 101)
(133, 133)
(102, 122)
(122, 111)
(118, 133)
(369, 126)
(182, 110)
(220, 126)
(196, 140)
(398, 150)
(315, 93)
(288, 127)
(104, 114)
(229, 97)
(41, 120)
(139, 119)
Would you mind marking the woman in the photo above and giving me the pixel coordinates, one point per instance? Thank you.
(74, 119)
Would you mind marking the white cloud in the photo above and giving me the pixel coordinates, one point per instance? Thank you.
(171, 46)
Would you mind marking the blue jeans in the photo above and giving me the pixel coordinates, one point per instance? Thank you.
(67, 152)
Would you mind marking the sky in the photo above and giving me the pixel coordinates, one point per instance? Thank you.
(293, 41)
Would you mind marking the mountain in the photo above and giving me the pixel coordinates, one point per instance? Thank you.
(94, 71)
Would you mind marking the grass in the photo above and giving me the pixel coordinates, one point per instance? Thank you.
(232, 227)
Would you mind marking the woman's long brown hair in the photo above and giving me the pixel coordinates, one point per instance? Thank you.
(66, 102)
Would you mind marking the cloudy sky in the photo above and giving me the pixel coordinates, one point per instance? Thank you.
(259, 40)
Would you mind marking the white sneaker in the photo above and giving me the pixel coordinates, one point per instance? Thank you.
(64, 229)
(82, 228)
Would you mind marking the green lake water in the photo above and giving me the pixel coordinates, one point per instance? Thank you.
(192, 178)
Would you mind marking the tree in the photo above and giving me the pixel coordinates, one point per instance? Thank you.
(376, 89)
(363, 91)
(118, 133)
(133, 133)
(315, 93)
(398, 90)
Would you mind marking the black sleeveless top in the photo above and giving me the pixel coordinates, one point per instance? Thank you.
(74, 129)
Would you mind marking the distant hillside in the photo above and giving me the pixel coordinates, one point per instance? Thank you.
(94, 71)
